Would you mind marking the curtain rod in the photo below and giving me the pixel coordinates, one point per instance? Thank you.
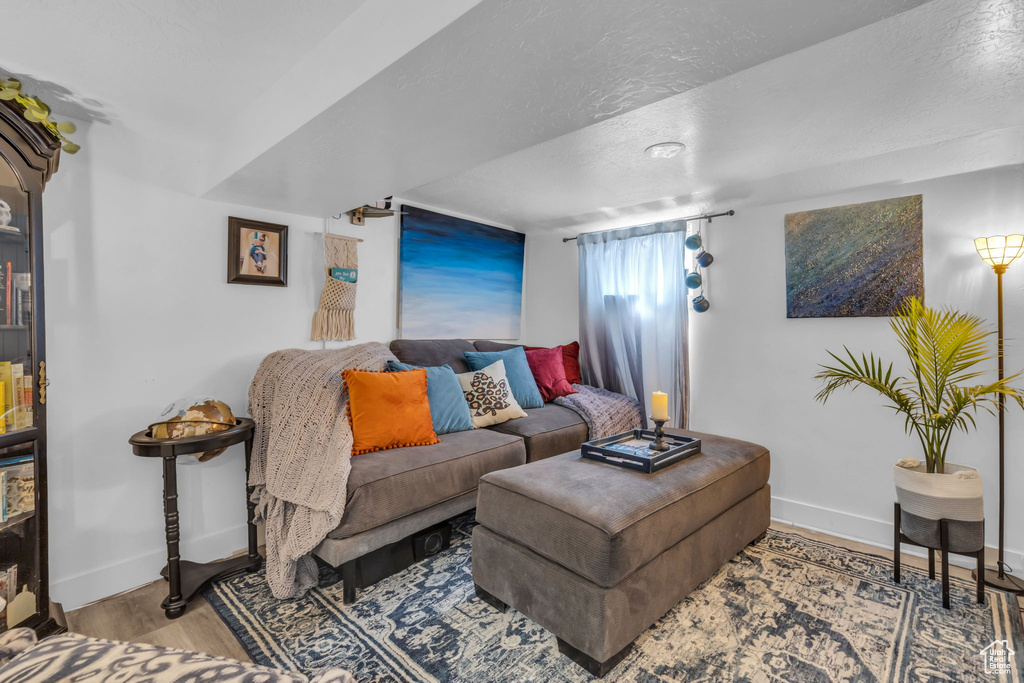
(707, 216)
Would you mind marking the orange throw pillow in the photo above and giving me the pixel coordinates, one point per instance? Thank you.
(388, 409)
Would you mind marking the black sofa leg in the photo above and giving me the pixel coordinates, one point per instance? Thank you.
(595, 667)
(349, 581)
(931, 563)
(491, 600)
(760, 538)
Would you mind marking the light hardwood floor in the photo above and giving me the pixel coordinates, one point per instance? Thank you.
(136, 615)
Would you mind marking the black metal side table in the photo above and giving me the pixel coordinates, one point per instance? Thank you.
(185, 579)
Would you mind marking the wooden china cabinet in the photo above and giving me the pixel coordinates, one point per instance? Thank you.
(28, 157)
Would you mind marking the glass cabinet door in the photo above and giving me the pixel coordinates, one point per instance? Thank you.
(19, 534)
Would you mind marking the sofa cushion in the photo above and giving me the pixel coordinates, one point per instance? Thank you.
(388, 409)
(570, 355)
(485, 345)
(551, 430)
(14, 642)
(488, 396)
(433, 352)
(448, 408)
(517, 369)
(388, 485)
(549, 373)
(604, 522)
(570, 358)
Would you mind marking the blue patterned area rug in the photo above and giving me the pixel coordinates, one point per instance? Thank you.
(787, 609)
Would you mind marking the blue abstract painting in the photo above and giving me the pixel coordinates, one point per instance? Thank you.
(459, 279)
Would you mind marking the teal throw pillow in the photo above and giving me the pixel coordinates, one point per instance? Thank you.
(448, 407)
(517, 369)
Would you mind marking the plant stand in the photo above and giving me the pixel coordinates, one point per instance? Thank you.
(944, 547)
(186, 579)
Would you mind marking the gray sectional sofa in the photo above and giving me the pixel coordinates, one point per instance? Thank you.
(394, 494)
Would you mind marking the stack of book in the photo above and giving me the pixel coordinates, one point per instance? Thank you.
(17, 488)
(15, 296)
(8, 590)
(21, 306)
(16, 396)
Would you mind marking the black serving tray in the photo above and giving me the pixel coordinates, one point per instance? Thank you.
(682, 447)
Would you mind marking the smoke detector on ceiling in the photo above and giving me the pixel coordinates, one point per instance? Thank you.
(664, 150)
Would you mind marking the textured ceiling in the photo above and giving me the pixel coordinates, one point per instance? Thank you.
(535, 113)
(934, 91)
(185, 65)
(509, 75)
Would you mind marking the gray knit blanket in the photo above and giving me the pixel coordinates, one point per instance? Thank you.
(605, 412)
(301, 454)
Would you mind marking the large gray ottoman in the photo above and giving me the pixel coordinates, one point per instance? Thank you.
(597, 553)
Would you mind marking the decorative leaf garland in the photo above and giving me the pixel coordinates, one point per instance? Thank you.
(36, 111)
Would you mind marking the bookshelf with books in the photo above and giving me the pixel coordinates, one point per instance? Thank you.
(28, 157)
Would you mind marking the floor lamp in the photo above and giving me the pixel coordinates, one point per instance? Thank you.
(999, 252)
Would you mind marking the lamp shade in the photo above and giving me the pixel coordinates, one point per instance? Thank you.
(1000, 251)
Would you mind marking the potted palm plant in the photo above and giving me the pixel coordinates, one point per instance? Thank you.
(945, 349)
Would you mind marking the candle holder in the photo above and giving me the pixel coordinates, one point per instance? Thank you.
(659, 436)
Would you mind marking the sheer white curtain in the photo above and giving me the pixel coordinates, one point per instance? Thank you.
(633, 313)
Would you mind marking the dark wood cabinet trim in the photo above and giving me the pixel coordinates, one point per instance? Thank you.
(34, 155)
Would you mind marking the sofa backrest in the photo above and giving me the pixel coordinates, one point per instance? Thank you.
(431, 352)
(485, 345)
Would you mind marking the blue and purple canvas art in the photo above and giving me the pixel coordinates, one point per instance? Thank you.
(854, 260)
(459, 279)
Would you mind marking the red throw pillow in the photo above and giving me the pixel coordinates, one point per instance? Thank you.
(388, 409)
(549, 373)
(570, 358)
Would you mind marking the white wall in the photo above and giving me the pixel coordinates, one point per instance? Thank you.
(551, 291)
(752, 368)
(138, 315)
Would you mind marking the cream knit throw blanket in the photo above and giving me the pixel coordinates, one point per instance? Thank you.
(301, 454)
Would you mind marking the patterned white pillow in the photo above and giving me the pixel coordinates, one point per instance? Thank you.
(489, 396)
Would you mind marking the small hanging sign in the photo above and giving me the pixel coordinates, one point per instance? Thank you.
(344, 274)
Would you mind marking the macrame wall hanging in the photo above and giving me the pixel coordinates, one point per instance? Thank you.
(335, 317)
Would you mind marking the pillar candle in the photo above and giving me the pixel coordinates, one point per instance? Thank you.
(659, 405)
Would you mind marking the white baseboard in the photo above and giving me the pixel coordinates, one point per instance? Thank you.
(863, 529)
(95, 584)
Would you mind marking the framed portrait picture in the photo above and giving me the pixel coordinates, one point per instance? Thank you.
(257, 253)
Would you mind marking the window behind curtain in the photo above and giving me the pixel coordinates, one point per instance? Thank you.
(633, 313)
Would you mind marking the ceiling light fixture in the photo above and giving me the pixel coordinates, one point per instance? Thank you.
(664, 150)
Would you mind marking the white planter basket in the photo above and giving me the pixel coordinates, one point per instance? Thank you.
(939, 496)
